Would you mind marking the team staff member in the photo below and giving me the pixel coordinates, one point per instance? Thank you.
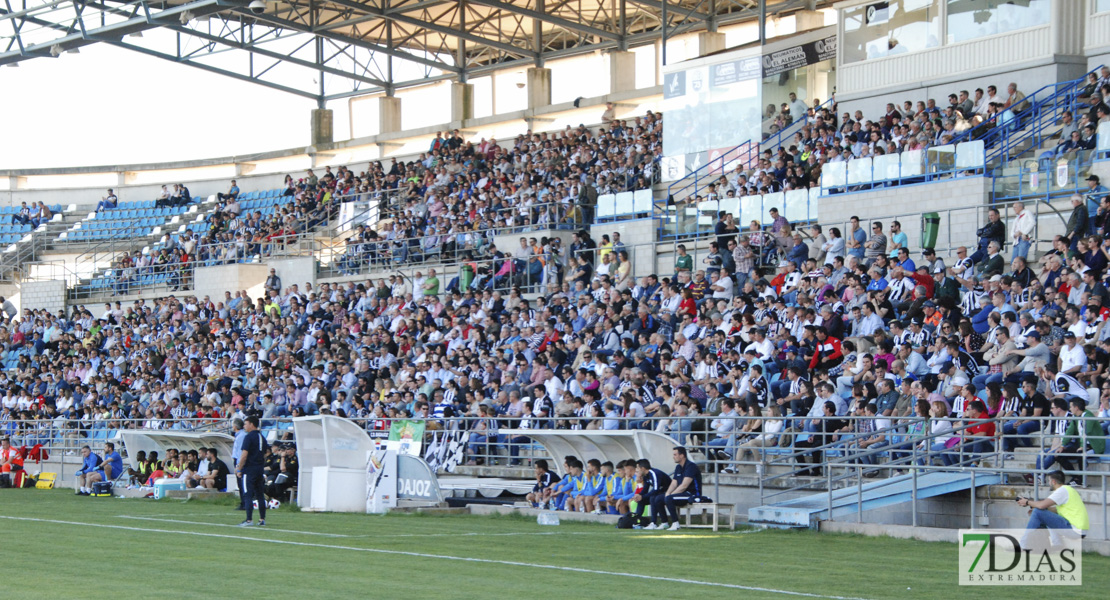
(544, 479)
(90, 464)
(685, 488)
(654, 483)
(236, 451)
(250, 467)
(1063, 509)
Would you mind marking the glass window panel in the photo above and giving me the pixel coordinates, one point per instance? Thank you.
(970, 19)
(775, 200)
(890, 28)
(886, 167)
(971, 155)
(1102, 5)
(834, 175)
(751, 207)
(606, 205)
(796, 201)
(730, 205)
(624, 203)
(814, 199)
(859, 171)
(941, 158)
(913, 163)
(1104, 133)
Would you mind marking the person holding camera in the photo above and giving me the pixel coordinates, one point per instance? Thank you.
(1062, 510)
(285, 476)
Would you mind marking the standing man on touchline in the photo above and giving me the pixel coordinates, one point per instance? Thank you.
(236, 451)
(251, 467)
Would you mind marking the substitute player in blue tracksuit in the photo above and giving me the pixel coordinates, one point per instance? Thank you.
(626, 487)
(609, 484)
(585, 500)
(654, 483)
(574, 481)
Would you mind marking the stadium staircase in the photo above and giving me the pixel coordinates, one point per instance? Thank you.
(1024, 166)
(696, 182)
(808, 511)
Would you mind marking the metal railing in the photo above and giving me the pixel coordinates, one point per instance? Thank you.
(179, 275)
(1027, 129)
(782, 461)
(935, 163)
(691, 187)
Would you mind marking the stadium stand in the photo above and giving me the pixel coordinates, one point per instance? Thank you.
(784, 348)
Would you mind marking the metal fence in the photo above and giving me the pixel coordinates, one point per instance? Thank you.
(786, 455)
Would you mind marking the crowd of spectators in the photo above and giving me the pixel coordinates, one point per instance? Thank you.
(458, 195)
(854, 338)
(450, 202)
(891, 336)
(828, 137)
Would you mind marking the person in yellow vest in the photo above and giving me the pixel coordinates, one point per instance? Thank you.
(1061, 511)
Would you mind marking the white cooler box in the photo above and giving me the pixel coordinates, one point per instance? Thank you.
(161, 486)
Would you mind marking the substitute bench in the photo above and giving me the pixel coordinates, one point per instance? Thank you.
(716, 509)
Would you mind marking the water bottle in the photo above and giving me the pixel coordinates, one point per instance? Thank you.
(547, 518)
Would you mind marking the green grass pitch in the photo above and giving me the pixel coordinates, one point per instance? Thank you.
(56, 545)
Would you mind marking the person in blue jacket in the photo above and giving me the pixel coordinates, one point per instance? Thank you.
(89, 466)
(611, 486)
(573, 482)
(585, 499)
(621, 498)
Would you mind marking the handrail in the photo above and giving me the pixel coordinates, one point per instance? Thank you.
(740, 153)
(1061, 97)
(181, 272)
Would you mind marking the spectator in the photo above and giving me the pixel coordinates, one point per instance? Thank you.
(232, 192)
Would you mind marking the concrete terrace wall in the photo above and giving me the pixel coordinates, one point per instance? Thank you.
(50, 295)
(960, 202)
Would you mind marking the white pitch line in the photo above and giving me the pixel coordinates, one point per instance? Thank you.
(371, 535)
(235, 526)
(444, 557)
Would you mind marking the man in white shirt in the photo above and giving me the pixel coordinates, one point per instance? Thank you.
(1021, 230)
(722, 286)
(724, 425)
(1073, 359)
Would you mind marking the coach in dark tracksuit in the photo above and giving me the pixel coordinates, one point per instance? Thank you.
(685, 487)
(655, 483)
(251, 466)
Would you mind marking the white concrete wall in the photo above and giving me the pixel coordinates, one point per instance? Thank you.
(50, 295)
(214, 281)
(297, 269)
(960, 202)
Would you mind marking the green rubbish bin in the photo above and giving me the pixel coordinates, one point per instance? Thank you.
(466, 277)
(930, 229)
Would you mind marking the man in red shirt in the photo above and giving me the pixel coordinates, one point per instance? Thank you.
(977, 439)
(10, 460)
